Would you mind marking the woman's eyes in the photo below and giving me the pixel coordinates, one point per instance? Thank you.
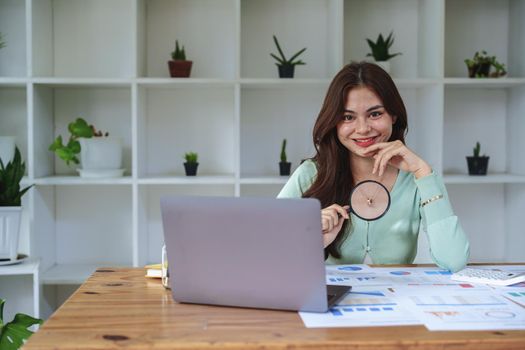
(374, 114)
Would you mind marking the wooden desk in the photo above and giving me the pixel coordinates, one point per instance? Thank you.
(120, 309)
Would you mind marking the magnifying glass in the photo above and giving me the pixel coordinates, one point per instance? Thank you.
(369, 200)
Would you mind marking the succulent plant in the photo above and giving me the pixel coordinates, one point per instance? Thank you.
(10, 177)
(381, 46)
(179, 54)
(282, 61)
(191, 157)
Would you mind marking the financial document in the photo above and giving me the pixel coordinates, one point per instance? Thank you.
(420, 295)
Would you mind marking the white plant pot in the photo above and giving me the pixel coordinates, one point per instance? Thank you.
(9, 232)
(7, 148)
(101, 157)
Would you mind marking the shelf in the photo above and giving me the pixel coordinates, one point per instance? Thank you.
(69, 273)
(84, 82)
(189, 180)
(28, 267)
(183, 82)
(484, 83)
(271, 83)
(264, 180)
(484, 179)
(77, 180)
(13, 82)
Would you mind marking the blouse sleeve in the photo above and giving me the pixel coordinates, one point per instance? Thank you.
(300, 181)
(449, 245)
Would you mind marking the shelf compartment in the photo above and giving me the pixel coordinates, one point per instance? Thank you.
(267, 117)
(77, 38)
(150, 232)
(469, 25)
(473, 115)
(416, 26)
(13, 61)
(107, 108)
(13, 118)
(296, 23)
(86, 224)
(264, 180)
(212, 50)
(174, 121)
(261, 189)
(472, 204)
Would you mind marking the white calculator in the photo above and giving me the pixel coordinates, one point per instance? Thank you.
(488, 276)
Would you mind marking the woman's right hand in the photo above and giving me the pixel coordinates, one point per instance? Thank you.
(332, 219)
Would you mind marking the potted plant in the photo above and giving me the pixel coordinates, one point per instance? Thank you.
(480, 65)
(15, 333)
(380, 50)
(179, 66)
(284, 165)
(191, 163)
(100, 155)
(477, 165)
(2, 43)
(286, 67)
(7, 148)
(11, 205)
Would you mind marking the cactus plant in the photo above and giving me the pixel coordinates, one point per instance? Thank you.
(179, 54)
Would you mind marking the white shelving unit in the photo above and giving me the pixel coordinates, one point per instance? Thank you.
(106, 61)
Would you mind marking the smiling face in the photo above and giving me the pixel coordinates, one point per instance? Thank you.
(365, 121)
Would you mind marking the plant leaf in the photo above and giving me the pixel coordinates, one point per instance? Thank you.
(279, 48)
(278, 59)
(15, 333)
(297, 54)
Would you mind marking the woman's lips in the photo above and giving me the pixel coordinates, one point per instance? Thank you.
(365, 142)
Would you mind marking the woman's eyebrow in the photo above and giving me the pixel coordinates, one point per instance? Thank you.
(368, 110)
(374, 107)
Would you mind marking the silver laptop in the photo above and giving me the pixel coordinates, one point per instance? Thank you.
(247, 252)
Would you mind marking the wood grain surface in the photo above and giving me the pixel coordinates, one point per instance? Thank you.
(117, 308)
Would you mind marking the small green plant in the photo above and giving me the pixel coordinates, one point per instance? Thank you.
(283, 152)
(282, 61)
(479, 66)
(477, 149)
(179, 54)
(10, 177)
(14, 334)
(68, 152)
(380, 48)
(191, 157)
(2, 42)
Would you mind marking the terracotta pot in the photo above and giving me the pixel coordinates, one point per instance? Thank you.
(180, 69)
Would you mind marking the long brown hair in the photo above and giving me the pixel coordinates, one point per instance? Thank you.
(334, 179)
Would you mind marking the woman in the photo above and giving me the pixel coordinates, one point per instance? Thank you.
(359, 135)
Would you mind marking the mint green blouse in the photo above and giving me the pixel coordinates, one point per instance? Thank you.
(392, 239)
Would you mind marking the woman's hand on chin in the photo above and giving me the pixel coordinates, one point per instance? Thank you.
(398, 155)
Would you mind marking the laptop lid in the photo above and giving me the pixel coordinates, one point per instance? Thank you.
(248, 252)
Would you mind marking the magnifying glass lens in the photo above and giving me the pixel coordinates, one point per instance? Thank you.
(369, 200)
